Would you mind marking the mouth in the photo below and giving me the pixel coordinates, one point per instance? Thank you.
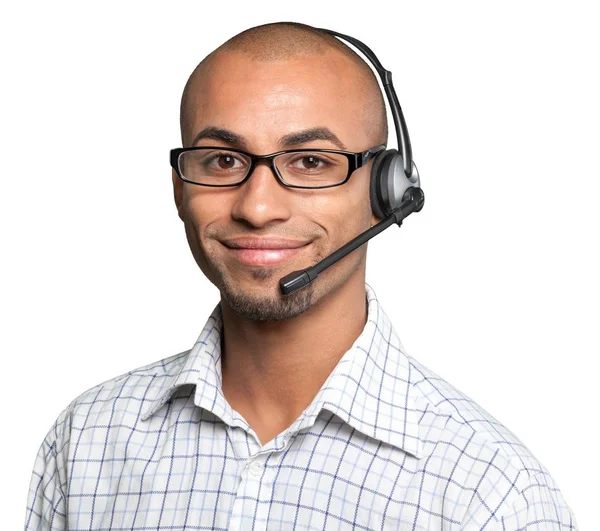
(263, 257)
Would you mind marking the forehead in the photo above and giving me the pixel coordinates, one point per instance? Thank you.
(265, 100)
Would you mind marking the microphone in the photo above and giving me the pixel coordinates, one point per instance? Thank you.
(412, 201)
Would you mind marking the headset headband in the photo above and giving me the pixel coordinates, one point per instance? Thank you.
(386, 80)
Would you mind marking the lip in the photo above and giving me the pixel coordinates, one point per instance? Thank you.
(263, 243)
(264, 257)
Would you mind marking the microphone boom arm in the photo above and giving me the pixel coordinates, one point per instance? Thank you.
(412, 202)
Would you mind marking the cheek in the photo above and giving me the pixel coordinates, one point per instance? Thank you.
(343, 214)
(201, 209)
(201, 206)
(356, 199)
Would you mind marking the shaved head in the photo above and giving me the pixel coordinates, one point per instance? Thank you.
(282, 86)
(283, 41)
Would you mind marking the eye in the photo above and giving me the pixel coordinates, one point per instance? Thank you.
(224, 161)
(309, 162)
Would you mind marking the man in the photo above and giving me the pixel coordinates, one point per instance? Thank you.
(290, 412)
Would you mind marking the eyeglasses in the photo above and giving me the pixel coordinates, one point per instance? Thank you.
(298, 168)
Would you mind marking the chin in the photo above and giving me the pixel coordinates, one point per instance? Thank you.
(265, 302)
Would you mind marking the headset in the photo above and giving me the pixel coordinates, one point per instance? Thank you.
(395, 188)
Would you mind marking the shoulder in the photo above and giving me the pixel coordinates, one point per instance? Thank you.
(489, 469)
(82, 427)
(121, 396)
(442, 404)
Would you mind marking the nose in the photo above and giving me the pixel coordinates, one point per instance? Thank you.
(262, 199)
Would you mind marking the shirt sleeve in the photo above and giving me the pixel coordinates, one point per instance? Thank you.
(46, 502)
(540, 506)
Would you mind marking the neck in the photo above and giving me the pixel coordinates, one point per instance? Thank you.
(273, 369)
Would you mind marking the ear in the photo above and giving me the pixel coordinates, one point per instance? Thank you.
(177, 192)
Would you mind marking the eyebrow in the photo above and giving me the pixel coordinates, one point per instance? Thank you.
(308, 135)
(289, 140)
(216, 133)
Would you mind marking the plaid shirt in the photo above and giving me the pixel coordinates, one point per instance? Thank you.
(385, 444)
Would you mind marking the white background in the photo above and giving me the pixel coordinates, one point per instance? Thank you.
(494, 285)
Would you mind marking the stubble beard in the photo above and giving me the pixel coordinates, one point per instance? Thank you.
(261, 305)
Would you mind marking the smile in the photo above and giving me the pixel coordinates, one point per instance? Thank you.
(264, 257)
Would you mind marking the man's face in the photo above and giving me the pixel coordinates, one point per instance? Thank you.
(261, 103)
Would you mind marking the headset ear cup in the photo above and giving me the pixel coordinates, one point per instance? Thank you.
(380, 174)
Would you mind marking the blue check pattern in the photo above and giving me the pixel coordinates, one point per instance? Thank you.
(385, 444)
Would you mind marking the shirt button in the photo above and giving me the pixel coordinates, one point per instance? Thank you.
(255, 469)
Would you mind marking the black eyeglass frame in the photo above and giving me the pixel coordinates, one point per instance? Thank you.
(355, 161)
